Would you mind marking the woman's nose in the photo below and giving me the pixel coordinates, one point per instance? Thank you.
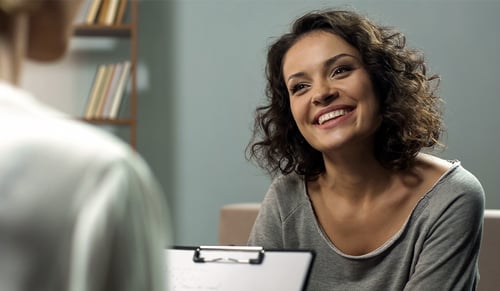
(324, 94)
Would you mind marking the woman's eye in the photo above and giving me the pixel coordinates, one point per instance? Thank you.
(341, 71)
(298, 87)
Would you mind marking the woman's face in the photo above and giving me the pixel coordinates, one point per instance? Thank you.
(332, 97)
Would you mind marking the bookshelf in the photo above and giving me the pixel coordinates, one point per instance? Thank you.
(128, 30)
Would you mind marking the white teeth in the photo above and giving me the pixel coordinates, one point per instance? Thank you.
(331, 115)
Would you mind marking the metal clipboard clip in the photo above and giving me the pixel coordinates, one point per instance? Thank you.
(229, 254)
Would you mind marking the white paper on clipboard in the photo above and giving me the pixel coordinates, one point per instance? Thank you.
(232, 268)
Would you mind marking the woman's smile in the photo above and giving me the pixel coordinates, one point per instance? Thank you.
(332, 113)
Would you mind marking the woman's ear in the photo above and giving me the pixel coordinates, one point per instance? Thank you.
(50, 29)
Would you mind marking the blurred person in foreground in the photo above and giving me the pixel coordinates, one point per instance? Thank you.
(79, 210)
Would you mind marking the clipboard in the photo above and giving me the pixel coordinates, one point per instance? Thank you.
(241, 268)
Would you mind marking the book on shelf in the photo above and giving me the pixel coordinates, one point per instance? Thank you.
(108, 76)
(81, 15)
(103, 12)
(100, 92)
(106, 12)
(113, 85)
(96, 84)
(121, 12)
(93, 10)
(117, 97)
(106, 94)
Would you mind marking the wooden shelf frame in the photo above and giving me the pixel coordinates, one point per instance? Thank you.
(117, 121)
(126, 30)
(123, 30)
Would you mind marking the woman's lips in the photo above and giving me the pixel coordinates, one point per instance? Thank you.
(332, 115)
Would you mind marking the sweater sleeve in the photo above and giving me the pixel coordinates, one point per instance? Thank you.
(449, 255)
(267, 230)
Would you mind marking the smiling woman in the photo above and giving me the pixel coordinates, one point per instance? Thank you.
(349, 110)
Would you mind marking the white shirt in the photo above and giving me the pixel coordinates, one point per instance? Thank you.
(79, 210)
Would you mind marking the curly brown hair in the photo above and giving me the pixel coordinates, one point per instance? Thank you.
(410, 108)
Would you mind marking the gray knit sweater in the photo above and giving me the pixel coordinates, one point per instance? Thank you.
(436, 249)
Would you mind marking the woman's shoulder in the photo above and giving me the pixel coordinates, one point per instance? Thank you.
(290, 184)
(448, 172)
(288, 180)
(460, 181)
(455, 185)
(288, 191)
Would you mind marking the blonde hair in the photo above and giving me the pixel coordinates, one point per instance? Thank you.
(19, 6)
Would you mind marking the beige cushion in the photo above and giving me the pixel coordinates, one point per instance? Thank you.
(489, 256)
(236, 222)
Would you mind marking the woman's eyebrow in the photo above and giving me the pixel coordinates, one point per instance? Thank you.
(329, 62)
(334, 59)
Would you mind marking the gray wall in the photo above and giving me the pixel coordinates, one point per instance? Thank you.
(201, 76)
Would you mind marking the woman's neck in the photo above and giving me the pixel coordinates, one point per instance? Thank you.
(357, 176)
